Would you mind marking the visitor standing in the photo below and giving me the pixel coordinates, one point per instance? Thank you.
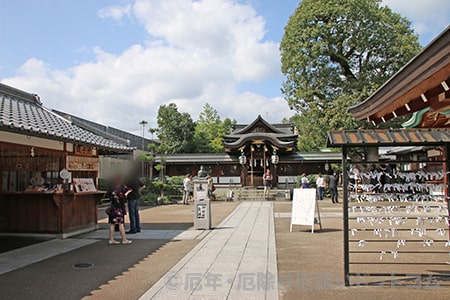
(304, 181)
(267, 182)
(320, 183)
(117, 210)
(133, 199)
(333, 181)
(211, 187)
(188, 187)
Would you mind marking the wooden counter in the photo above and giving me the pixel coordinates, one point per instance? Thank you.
(56, 213)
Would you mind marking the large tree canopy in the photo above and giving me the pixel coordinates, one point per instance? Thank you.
(175, 129)
(335, 53)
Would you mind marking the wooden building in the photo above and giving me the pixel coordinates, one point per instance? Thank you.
(251, 149)
(49, 168)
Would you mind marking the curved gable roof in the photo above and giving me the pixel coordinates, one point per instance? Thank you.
(260, 131)
(259, 120)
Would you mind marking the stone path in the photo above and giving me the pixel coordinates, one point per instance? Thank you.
(236, 260)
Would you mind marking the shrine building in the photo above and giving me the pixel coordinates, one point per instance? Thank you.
(251, 149)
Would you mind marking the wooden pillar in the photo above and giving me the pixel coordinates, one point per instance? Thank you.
(244, 175)
(446, 168)
(275, 175)
(345, 220)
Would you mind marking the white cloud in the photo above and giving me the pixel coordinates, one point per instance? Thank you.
(217, 29)
(199, 52)
(429, 18)
(114, 12)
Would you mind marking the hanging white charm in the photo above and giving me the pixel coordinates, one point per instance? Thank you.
(428, 243)
(401, 243)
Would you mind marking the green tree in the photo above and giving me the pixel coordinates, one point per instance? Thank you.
(209, 130)
(153, 131)
(175, 129)
(334, 54)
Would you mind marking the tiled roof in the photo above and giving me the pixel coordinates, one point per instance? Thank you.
(389, 137)
(213, 158)
(275, 128)
(23, 113)
(198, 158)
(111, 133)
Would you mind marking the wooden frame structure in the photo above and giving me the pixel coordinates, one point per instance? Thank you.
(421, 88)
(396, 228)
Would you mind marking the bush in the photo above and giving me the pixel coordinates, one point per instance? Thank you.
(171, 186)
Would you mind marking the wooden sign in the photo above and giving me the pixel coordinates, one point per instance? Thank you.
(81, 163)
(304, 207)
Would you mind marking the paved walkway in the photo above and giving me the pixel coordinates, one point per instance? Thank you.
(236, 260)
(25, 256)
(16, 259)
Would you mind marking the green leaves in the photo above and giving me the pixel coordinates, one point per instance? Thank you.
(334, 54)
(209, 130)
(175, 129)
(179, 134)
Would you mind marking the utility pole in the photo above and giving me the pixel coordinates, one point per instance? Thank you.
(143, 123)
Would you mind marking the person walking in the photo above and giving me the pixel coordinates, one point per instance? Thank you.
(333, 181)
(320, 183)
(117, 211)
(267, 182)
(133, 199)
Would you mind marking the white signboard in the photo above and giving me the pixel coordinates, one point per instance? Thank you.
(84, 185)
(303, 207)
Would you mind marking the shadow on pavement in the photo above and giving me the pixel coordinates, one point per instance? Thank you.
(59, 278)
(8, 243)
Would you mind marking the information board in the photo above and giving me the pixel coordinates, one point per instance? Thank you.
(304, 207)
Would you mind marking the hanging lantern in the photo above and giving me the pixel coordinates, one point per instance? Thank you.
(275, 159)
(242, 159)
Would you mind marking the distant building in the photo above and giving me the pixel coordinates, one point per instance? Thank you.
(251, 149)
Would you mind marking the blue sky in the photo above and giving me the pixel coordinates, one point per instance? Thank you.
(116, 62)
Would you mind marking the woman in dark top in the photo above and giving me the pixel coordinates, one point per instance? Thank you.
(118, 196)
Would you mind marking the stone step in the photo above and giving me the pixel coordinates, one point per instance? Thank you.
(258, 195)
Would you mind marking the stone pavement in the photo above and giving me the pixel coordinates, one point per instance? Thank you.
(249, 254)
(237, 260)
